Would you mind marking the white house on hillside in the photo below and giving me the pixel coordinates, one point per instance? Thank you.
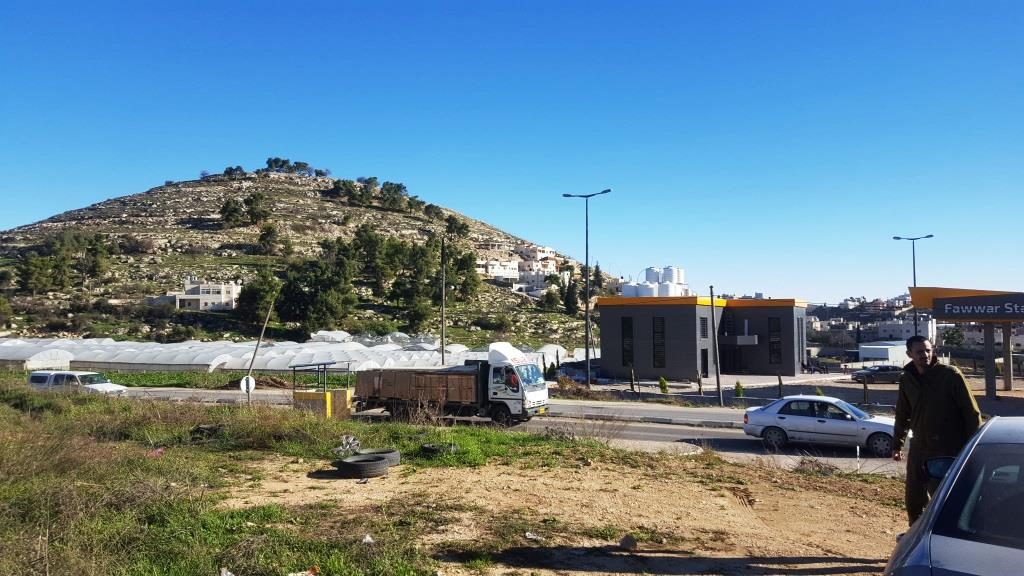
(201, 295)
(498, 269)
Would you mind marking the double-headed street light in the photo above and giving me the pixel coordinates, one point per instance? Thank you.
(586, 265)
(913, 252)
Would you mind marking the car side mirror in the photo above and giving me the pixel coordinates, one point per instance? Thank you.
(938, 467)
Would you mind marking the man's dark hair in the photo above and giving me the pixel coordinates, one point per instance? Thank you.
(915, 339)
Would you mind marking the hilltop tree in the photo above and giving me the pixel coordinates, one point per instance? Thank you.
(232, 214)
(415, 204)
(234, 172)
(303, 168)
(393, 196)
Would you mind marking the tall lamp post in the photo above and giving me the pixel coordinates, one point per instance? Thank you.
(586, 258)
(913, 253)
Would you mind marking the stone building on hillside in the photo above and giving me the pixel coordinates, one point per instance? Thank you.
(200, 295)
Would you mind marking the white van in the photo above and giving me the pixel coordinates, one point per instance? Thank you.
(73, 381)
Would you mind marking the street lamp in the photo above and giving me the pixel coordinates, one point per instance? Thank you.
(913, 252)
(586, 265)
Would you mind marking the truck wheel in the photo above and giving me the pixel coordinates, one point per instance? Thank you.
(502, 416)
(399, 411)
(363, 466)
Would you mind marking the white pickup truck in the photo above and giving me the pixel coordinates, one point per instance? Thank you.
(73, 381)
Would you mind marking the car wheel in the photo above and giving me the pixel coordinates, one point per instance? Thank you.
(393, 457)
(501, 416)
(775, 438)
(880, 444)
(363, 466)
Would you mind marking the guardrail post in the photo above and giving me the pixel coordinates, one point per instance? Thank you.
(865, 390)
(779, 375)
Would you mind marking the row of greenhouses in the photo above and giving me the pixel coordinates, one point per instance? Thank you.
(336, 350)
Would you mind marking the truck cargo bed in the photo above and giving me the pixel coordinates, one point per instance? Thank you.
(444, 386)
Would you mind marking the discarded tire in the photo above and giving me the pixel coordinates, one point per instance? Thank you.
(363, 466)
(440, 448)
(393, 457)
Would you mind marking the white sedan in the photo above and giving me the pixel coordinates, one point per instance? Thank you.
(819, 420)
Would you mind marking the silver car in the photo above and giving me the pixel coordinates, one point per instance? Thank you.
(819, 420)
(974, 524)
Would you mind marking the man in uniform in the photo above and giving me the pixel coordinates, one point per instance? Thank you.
(936, 403)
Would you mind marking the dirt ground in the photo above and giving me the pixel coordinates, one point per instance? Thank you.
(691, 515)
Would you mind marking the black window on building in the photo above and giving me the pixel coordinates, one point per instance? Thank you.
(703, 327)
(627, 341)
(659, 341)
(775, 341)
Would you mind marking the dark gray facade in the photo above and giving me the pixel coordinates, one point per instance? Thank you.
(674, 339)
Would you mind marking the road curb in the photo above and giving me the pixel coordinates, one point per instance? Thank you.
(648, 419)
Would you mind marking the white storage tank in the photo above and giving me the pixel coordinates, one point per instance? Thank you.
(647, 289)
(629, 290)
(652, 275)
(674, 275)
(665, 289)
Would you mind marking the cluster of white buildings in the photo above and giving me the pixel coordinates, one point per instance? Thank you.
(527, 269)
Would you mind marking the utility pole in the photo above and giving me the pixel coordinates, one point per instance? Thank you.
(913, 256)
(444, 293)
(714, 347)
(586, 267)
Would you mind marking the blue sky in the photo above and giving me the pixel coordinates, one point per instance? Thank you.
(762, 146)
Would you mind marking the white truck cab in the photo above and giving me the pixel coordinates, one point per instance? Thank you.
(516, 388)
(73, 381)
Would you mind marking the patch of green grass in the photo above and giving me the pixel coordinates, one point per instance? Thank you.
(604, 532)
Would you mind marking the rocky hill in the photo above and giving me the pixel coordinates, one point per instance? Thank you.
(177, 231)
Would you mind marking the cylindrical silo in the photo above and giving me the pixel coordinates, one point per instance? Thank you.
(652, 275)
(664, 289)
(673, 274)
(647, 289)
(629, 290)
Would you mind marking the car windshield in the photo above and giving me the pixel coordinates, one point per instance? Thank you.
(530, 375)
(987, 497)
(93, 379)
(857, 412)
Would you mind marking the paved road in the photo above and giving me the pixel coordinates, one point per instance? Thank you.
(731, 444)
